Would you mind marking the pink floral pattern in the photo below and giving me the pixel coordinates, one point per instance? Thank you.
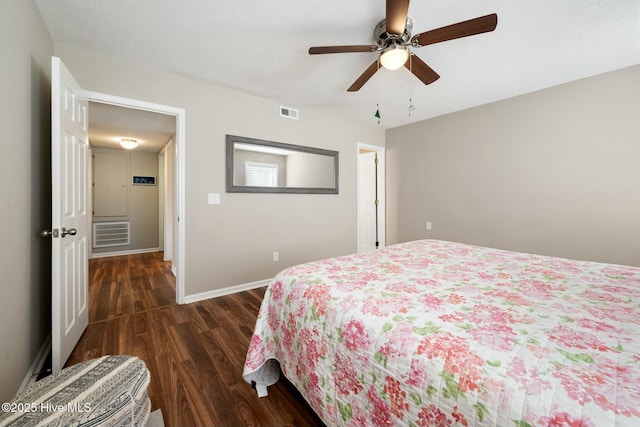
(434, 333)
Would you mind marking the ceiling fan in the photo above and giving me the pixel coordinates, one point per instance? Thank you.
(393, 39)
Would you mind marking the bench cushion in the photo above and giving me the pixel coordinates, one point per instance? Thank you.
(108, 391)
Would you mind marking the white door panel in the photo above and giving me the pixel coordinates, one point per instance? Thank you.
(367, 202)
(69, 168)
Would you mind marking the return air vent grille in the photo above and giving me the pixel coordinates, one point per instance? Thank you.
(107, 234)
(290, 113)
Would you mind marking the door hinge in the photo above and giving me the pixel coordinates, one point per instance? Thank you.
(377, 202)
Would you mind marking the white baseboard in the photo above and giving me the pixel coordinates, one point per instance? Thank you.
(225, 291)
(119, 253)
(36, 366)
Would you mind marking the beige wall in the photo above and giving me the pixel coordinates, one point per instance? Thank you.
(553, 172)
(232, 243)
(25, 186)
(310, 170)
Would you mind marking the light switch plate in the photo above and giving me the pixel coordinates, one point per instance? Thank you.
(214, 198)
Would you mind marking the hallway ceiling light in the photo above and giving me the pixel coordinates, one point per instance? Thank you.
(129, 143)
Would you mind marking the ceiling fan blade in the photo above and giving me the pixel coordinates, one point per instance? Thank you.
(397, 11)
(317, 50)
(364, 77)
(421, 70)
(480, 25)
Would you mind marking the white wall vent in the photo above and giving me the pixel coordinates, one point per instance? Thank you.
(107, 234)
(288, 112)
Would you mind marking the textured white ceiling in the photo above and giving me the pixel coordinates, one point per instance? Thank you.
(110, 123)
(262, 47)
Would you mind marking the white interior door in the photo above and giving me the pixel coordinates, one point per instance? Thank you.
(69, 168)
(367, 208)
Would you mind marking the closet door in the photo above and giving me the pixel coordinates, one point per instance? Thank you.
(110, 184)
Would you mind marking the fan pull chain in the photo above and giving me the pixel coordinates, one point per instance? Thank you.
(411, 107)
(377, 114)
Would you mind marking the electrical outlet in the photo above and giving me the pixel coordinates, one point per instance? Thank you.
(428, 226)
(276, 256)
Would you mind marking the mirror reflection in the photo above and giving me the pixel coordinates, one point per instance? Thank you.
(258, 166)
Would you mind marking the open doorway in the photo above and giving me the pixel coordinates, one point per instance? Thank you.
(156, 168)
(70, 208)
(371, 197)
(130, 159)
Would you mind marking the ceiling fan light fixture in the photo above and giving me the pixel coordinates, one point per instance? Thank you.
(129, 143)
(394, 57)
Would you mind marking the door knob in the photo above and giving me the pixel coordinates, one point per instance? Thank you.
(71, 232)
(49, 233)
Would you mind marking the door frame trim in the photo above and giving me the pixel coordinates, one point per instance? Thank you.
(381, 179)
(180, 142)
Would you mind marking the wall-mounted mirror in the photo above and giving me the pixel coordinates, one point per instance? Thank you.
(257, 166)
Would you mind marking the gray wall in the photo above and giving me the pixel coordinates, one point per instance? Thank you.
(25, 185)
(143, 202)
(232, 243)
(554, 172)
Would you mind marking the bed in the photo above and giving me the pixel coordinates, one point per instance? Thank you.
(436, 333)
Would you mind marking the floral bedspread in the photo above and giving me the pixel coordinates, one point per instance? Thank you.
(434, 333)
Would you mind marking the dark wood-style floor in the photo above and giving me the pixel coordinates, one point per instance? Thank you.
(195, 352)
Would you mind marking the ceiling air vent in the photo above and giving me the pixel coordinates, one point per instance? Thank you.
(288, 112)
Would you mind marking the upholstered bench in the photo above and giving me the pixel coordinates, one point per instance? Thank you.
(109, 391)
